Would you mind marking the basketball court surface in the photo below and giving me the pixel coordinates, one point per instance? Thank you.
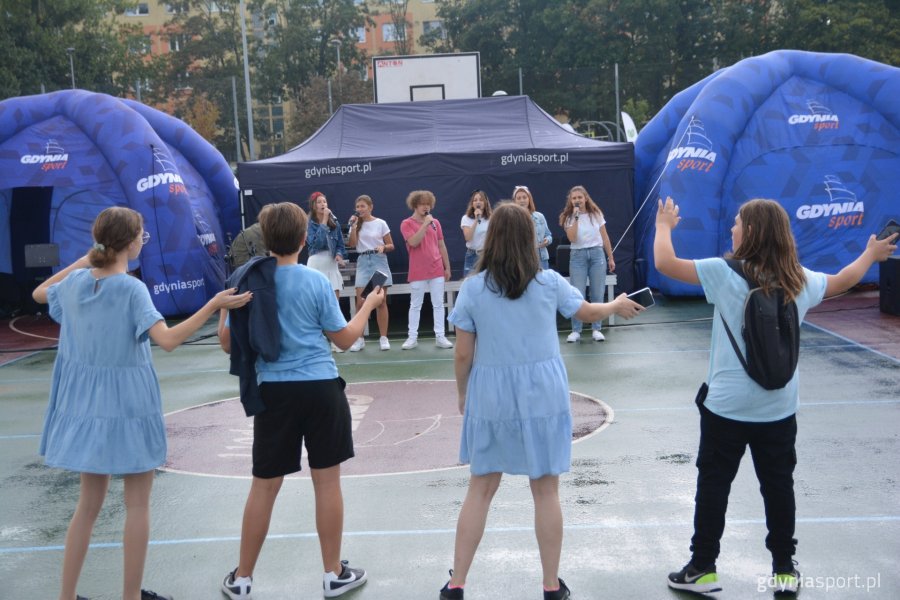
(627, 502)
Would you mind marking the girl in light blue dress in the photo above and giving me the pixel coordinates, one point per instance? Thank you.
(105, 416)
(513, 387)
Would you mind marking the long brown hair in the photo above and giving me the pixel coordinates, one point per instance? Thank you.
(114, 229)
(313, 215)
(367, 200)
(510, 260)
(768, 248)
(486, 211)
(590, 206)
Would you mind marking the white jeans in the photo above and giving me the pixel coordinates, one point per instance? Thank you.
(435, 288)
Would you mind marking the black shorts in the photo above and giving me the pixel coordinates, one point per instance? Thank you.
(312, 412)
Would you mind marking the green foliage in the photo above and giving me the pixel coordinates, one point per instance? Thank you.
(566, 50)
(35, 34)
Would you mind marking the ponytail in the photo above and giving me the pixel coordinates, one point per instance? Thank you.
(114, 229)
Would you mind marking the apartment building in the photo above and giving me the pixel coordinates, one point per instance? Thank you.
(271, 120)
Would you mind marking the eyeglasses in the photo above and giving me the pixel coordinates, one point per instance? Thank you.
(145, 237)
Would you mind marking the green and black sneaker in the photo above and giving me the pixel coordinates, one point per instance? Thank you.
(692, 579)
(787, 583)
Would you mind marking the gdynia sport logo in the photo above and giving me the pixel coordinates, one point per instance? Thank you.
(820, 116)
(53, 158)
(168, 176)
(696, 154)
(843, 208)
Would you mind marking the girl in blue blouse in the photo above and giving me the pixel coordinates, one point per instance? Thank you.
(522, 196)
(105, 413)
(326, 242)
(513, 387)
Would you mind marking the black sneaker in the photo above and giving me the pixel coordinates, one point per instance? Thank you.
(348, 579)
(454, 594)
(786, 581)
(561, 594)
(236, 591)
(148, 595)
(692, 579)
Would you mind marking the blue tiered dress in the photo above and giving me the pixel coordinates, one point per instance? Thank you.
(105, 411)
(518, 417)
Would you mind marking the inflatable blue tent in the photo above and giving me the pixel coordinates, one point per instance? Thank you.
(820, 133)
(66, 156)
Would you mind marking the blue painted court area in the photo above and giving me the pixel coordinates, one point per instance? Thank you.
(627, 503)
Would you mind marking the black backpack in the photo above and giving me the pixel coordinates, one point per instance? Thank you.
(771, 332)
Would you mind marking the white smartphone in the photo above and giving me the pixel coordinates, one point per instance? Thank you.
(644, 297)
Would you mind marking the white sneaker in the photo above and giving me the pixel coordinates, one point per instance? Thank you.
(384, 343)
(337, 584)
(598, 337)
(410, 343)
(441, 341)
(335, 349)
(358, 345)
(573, 337)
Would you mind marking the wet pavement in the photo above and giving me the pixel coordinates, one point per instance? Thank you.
(627, 502)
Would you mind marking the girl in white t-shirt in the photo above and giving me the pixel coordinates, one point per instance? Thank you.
(474, 226)
(590, 254)
(372, 238)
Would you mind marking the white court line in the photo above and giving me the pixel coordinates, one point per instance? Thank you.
(34, 335)
(852, 342)
(614, 525)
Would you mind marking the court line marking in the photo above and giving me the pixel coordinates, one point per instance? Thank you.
(611, 412)
(853, 342)
(610, 417)
(25, 333)
(448, 531)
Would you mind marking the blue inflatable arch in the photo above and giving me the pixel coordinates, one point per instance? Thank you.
(66, 156)
(820, 133)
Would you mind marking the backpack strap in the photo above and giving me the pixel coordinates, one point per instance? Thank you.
(738, 267)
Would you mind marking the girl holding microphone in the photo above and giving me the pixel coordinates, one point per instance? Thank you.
(372, 238)
(542, 237)
(591, 252)
(474, 226)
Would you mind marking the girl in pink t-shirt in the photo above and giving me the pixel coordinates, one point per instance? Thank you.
(429, 266)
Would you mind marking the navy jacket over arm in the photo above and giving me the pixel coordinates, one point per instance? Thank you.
(255, 330)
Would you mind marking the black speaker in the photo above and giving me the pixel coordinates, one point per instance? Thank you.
(562, 259)
(889, 286)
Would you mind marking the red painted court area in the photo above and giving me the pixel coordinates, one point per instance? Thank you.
(26, 334)
(398, 427)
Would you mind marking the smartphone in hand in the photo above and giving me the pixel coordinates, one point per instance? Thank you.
(378, 279)
(890, 229)
(644, 297)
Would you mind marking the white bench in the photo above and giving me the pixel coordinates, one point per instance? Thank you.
(451, 288)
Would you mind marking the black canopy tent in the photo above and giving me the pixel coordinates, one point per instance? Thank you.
(450, 147)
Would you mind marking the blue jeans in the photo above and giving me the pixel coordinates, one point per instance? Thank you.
(469, 261)
(584, 264)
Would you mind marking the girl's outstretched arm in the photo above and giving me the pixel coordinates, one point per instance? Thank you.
(169, 338)
(876, 251)
(664, 256)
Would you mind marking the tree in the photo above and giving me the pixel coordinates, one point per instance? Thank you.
(34, 36)
(311, 106)
(397, 10)
(203, 117)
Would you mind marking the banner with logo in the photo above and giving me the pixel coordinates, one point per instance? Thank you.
(819, 133)
(94, 151)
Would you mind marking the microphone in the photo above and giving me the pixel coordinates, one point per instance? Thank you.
(433, 226)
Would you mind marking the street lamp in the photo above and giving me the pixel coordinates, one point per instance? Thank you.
(70, 52)
(336, 42)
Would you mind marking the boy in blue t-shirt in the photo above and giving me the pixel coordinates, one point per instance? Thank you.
(304, 403)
